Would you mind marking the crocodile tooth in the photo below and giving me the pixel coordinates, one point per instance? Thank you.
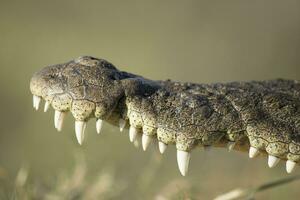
(132, 133)
(162, 147)
(46, 107)
(230, 146)
(253, 152)
(33, 101)
(122, 124)
(272, 161)
(79, 130)
(99, 123)
(56, 117)
(146, 140)
(59, 119)
(290, 166)
(36, 102)
(183, 159)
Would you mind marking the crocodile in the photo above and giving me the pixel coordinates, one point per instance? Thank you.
(258, 117)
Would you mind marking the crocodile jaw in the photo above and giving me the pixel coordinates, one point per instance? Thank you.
(123, 102)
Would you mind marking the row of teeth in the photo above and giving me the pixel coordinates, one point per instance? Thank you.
(183, 157)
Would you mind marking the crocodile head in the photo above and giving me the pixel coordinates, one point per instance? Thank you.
(259, 117)
(88, 87)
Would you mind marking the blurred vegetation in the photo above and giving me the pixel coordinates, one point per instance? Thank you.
(197, 41)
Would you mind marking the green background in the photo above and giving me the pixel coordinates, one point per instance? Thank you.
(195, 41)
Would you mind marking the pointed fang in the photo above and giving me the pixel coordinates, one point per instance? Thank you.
(132, 133)
(146, 140)
(46, 107)
(33, 101)
(272, 161)
(183, 159)
(36, 102)
(59, 119)
(290, 166)
(79, 130)
(253, 152)
(230, 146)
(162, 147)
(99, 123)
(122, 124)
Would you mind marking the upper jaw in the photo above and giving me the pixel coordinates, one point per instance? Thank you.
(44, 86)
(35, 85)
(41, 90)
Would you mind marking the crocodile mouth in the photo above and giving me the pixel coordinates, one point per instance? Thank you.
(261, 118)
(77, 87)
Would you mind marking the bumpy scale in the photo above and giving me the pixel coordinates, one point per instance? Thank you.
(262, 117)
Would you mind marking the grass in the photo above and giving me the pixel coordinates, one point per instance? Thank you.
(75, 185)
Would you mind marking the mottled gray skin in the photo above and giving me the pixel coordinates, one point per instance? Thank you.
(263, 114)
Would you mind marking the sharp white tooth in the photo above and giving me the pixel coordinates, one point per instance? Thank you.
(272, 161)
(230, 146)
(99, 123)
(290, 166)
(132, 133)
(46, 107)
(79, 130)
(36, 102)
(59, 119)
(33, 101)
(56, 117)
(253, 152)
(146, 140)
(162, 147)
(183, 159)
(122, 124)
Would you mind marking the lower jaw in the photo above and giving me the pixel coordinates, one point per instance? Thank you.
(182, 156)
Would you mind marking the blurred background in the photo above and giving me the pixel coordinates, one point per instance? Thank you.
(195, 41)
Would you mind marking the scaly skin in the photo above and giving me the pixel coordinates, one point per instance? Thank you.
(261, 114)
